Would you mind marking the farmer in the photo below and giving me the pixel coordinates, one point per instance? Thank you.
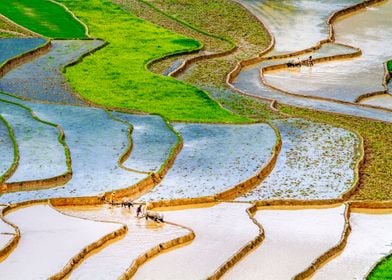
(310, 61)
(139, 210)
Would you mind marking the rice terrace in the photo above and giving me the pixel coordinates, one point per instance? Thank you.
(195, 139)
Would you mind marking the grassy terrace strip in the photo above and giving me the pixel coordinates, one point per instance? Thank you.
(147, 11)
(127, 83)
(210, 74)
(44, 17)
(235, 23)
(7, 27)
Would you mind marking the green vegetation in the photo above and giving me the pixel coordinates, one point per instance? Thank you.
(389, 65)
(44, 17)
(383, 270)
(236, 25)
(223, 18)
(123, 80)
(376, 174)
(148, 12)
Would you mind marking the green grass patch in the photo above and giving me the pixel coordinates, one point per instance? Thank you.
(383, 270)
(44, 17)
(116, 76)
(376, 174)
(389, 65)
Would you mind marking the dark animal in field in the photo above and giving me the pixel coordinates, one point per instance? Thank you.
(292, 64)
(154, 216)
(127, 203)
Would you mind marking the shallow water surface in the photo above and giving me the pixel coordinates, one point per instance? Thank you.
(11, 47)
(346, 80)
(113, 260)
(41, 154)
(369, 241)
(296, 25)
(316, 162)
(152, 141)
(49, 240)
(215, 158)
(42, 78)
(293, 240)
(221, 231)
(96, 143)
(6, 149)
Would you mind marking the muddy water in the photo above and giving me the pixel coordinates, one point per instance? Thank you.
(48, 241)
(369, 241)
(316, 162)
(111, 262)
(220, 231)
(293, 240)
(348, 79)
(383, 100)
(215, 158)
(296, 25)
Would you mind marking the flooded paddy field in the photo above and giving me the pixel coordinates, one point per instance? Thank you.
(48, 241)
(220, 230)
(316, 162)
(116, 258)
(41, 154)
(293, 238)
(296, 25)
(369, 241)
(152, 141)
(96, 143)
(42, 78)
(347, 80)
(11, 47)
(215, 158)
(6, 148)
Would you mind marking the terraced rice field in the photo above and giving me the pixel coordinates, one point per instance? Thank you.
(152, 141)
(214, 159)
(49, 241)
(316, 162)
(292, 237)
(89, 136)
(42, 78)
(41, 154)
(6, 147)
(11, 47)
(369, 241)
(141, 237)
(215, 242)
(347, 80)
